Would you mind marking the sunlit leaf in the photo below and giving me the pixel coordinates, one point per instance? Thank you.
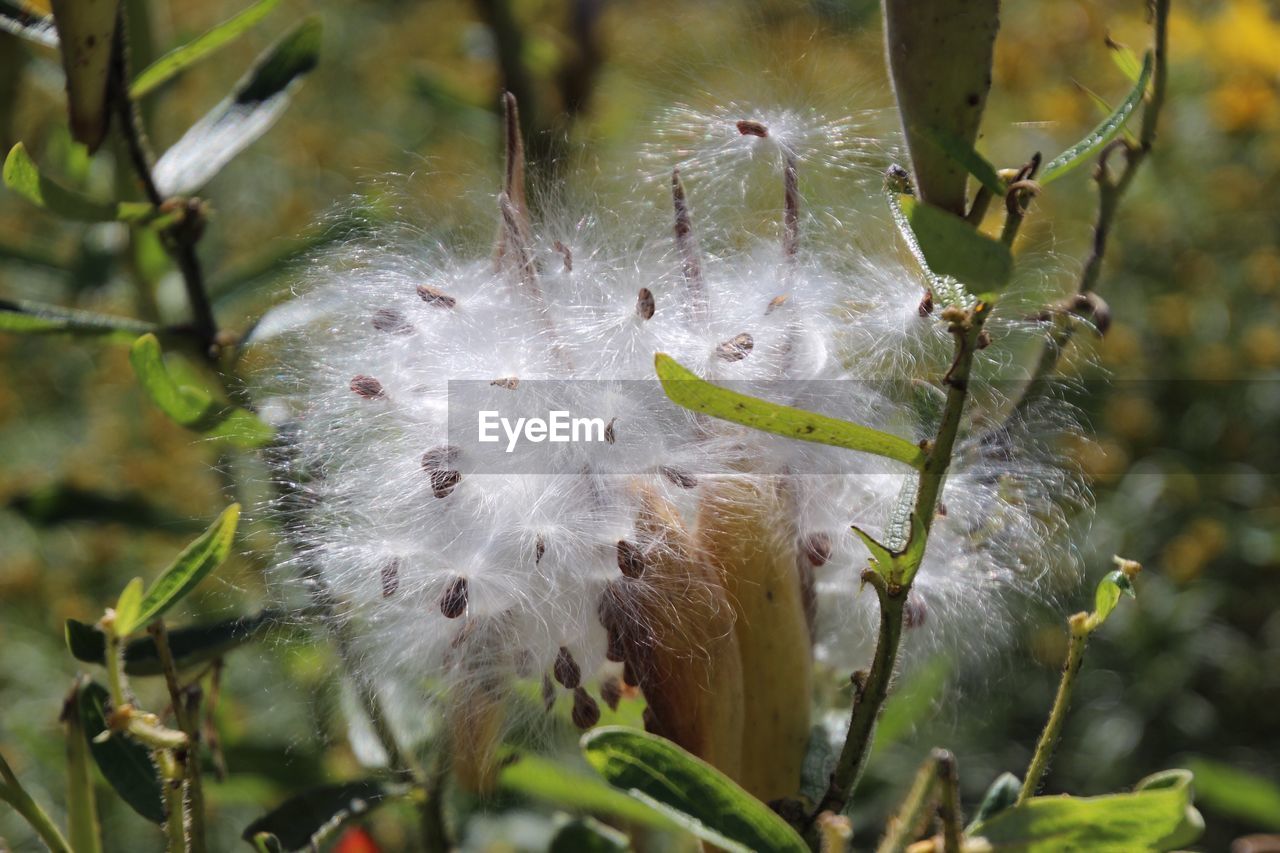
(190, 406)
(35, 318)
(687, 389)
(1105, 108)
(573, 790)
(195, 562)
(967, 156)
(1125, 59)
(952, 247)
(26, 22)
(1103, 133)
(1108, 593)
(128, 606)
(180, 58)
(23, 177)
(190, 646)
(1149, 819)
(124, 763)
(1246, 797)
(657, 769)
(254, 105)
(87, 34)
(317, 813)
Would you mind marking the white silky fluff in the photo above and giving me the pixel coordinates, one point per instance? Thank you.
(538, 550)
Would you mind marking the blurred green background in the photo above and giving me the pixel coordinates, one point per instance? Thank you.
(96, 486)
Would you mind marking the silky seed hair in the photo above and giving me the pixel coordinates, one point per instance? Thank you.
(455, 584)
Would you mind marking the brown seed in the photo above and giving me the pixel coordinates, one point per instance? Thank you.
(438, 463)
(615, 649)
(566, 669)
(915, 612)
(444, 482)
(777, 302)
(747, 127)
(817, 549)
(586, 713)
(926, 304)
(736, 348)
(611, 692)
(676, 477)
(645, 304)
(511, 383)
(390, 578)
(366, 386)
(984, 339)
(548, 692)
(435, 296)
(630, 559)
(539, 548)
(453, 603)
(629, 674)
(609, 435)
(392, 321)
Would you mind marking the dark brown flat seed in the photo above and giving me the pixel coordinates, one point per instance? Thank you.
(435, 296)
(777, 302)
(511, 383)
(453, 603)
(817, 549)
(391, 321)
(548, 692)
(390, 578)
(926, 304)
(586, 713)
(366, 386)
(539, 548)
(676, 477)
(747, 127)
(736, 348)
(630, 559)
(609, 435)
(629, 675)
(615, 649)
(611, 692)
(444, 482)
(645, 305)
(566, 669)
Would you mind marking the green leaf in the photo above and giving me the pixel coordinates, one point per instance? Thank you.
(36, 318)
(1107, 595)
(1103, 133)
(64, 502)
(1153, 819)
(23, 21)
(551, 782)
(967, 156)
(128, 606)
(586, 835)
(199, 559)
(319, 812)
(190, 646)
(910, 703)
(1125, 59)
(180, 58)
(1105, 108)
(688, 390)
(22, 175)
(254, 105)
(125, 764)
(190, 406)
(953, 247)
(1244, 796)
(658, 769)
(87, 35)
(1002, 794)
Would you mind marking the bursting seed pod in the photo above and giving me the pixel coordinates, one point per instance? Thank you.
(707, 564)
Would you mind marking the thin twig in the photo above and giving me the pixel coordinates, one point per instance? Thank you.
(1079, 638)
(189, 722)
(12, 792)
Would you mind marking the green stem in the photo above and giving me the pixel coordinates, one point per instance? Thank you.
(949, 800)
(12, 792)
(82, 810)
(906, 825)
(114, 662)
(1079, 638)
(189, 722)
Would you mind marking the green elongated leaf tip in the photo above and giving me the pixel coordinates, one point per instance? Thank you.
(128, 605)
(687, 389)
(1104, 132)
(967, 156)
(953, 247)
(180, 58)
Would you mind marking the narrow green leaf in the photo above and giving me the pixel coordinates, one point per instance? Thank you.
(551, 782)
(254, 105)
(1103, 133)
(313, 815)
(180, 58)
(967, 156)
(20, 19)
(190, 406)
(35, 318)
(586, 835)
(1107, 594)
(686, 389)
(1235, 793)
(953, 247)
(83, 828)
(198, 559)
(124, 763)
(190, 646)
(87, 34)
(1149, 819)
(23, 177)
(1125, 59)
(882, 558)
(656, 768)
(1104, 108)
(128, 606)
